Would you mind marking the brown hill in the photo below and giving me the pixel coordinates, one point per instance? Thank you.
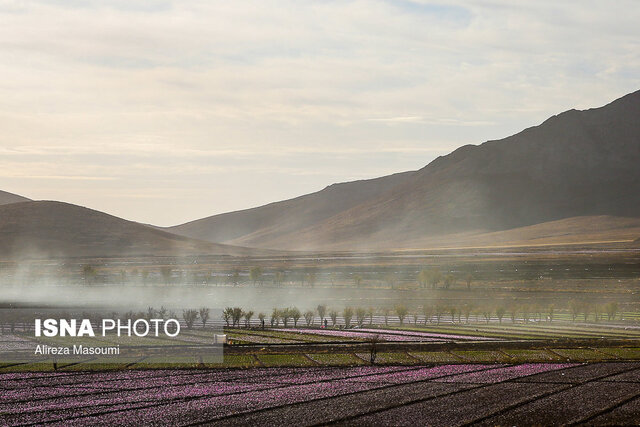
(575, 164)
(6, 198)
(55, 229)
(276, 220)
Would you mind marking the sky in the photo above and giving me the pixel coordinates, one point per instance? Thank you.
(168, 111)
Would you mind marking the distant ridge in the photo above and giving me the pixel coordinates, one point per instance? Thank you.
(7, 198)
(45, 229)
(575, 164)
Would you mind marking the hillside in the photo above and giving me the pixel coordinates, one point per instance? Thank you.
(575, 164)
(7, 198)
(55, 229)
(275, 220)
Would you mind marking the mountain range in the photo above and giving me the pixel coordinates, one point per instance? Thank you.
(573, 178)
(577, 166)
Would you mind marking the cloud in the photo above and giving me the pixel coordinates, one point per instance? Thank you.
(137, 91)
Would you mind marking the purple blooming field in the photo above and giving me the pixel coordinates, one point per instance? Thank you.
(386, 335)
(556, 393)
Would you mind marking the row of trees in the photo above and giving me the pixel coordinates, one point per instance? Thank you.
(426, 278)
(430, 313)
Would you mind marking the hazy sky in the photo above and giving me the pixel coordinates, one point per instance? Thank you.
(167, 111)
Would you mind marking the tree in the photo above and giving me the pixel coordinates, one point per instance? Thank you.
(486, 312)
(227, 314)
(236, 315)
(611, 309)
(247, 318)
(189, 317)
(452, 311)
(235, 277)
(204, 316)
(334, 317)
(391, 280)
(347, 314)
(423, 278)
(586, 310)
(574, 308)
(261, 316)
(449, 281)
(434, 277)
(360, 315)
(322, 311)
(427, 310)
(439, 310)
(374, 340)
(513, 312)
(468, 278)
(256, 274)
(385, 312)
(467, 309)
(370, 312)
(278, 278)
(551, 310)
(275, 317)
(311, 278)
(500, 312)
(308, 317)
(287, 313)
(295, 315)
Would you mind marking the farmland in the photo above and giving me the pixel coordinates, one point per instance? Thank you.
(400, 395)
(489, 337)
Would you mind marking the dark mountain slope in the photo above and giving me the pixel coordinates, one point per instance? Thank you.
(45, 229)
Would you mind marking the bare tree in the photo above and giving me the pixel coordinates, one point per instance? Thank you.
(611, 309)
(500, 312)
(189, 317)
(247, 318)
(370, 312)
(204, 316)
(401, 311)
(360, 315)
(334, 317)
(276, 314)
(373, 353)
(468, 278)
(449, 281)
(308, 317)
(227, 315)
(347, 313)
(427, 310)
(236, 315)
(322, 311)
(256, 274)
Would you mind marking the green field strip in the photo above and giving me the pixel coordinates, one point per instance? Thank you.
(435, 356)
(522, 356)
(284, 360)
(582, 354)
(388, 358)
(624, 353)
(336, 359)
